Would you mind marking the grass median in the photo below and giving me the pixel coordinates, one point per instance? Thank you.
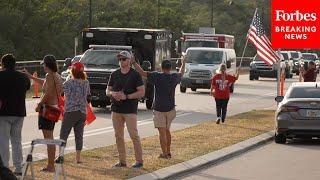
(186, 144)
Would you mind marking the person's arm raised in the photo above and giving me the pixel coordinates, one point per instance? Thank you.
(38, 80)
(183, 66)
(138, 67)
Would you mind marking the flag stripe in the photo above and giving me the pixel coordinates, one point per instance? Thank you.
(264, 44)
(256, 35)
(261, 47)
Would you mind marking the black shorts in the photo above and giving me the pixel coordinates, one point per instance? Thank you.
(45, 124)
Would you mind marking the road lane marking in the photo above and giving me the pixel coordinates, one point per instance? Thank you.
(99, 131)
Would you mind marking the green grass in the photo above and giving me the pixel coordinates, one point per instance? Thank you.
(186, 144)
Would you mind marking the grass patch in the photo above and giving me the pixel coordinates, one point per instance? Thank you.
(186, 144)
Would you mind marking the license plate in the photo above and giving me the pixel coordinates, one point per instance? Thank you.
(313, 113)
(199, 81)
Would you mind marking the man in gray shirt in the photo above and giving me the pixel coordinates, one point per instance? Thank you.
(164, 111)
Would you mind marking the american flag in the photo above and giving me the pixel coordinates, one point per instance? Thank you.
(256, 35)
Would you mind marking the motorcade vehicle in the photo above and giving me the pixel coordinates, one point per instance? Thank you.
(201, 65)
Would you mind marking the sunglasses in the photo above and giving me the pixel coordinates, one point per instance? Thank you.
(122, 59)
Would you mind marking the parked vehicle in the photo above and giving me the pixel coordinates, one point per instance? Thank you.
(258, 68)
(298, 113)
(310, 56)
(297, 61)
(68, 62)
(202, 63)
(150, 46)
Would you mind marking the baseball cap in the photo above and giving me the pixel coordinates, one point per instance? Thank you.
(125, 54)
(78, 66)
(166, 64)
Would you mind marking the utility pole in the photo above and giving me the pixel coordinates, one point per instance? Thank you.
(158, 13)
(90, 13)
(211, 13)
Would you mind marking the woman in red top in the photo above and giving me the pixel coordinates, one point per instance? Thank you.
(220, 90)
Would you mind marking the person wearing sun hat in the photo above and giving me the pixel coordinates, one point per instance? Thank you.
(76, 90)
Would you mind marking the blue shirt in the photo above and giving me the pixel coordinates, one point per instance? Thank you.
(165, 85)
(75, 94)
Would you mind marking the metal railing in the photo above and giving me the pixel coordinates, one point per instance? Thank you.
(35, 66)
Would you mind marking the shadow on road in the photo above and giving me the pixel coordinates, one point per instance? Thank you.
(303, 143)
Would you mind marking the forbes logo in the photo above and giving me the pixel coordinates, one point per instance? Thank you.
(281, 15)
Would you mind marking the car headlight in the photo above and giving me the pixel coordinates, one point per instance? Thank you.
(253, 65)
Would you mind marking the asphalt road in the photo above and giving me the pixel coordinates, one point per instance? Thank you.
(192, 108)
(296, 160)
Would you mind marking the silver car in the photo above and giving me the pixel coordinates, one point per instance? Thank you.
(298, 113)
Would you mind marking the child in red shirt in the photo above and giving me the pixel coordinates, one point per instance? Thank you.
(220, 90)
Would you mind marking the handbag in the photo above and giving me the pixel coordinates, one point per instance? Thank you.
(51, 113)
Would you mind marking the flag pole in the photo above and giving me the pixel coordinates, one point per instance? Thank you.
(279, 71)
(245, 46)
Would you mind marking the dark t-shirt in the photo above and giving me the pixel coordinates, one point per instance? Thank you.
(14, 86)
(127, 83)
(165, 85)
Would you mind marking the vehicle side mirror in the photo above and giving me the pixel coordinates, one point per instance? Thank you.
(146, 66)
(279, 99)
(228, 64)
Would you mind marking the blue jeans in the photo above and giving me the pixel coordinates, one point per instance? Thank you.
(10, 129)
(221, 106)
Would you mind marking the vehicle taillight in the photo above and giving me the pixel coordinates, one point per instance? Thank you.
(289, 109)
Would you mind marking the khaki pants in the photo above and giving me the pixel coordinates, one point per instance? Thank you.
(119, 120)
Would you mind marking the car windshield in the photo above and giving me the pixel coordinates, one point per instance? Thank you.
(304, 92)
(285, 56)
(204, 57)
(295, 55)
(76, 59)
(201, 44)
(310, 57)
(100, 58)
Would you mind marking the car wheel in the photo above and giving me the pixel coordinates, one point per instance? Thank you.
(256, 78)
(103, 105)
(291, 75)
(194, 89)
(149, 103)
(280, 139)
(183, 89)
(251, 77)
(94, 104)
(232, 88)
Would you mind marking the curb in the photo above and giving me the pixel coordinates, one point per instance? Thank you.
(212, 158)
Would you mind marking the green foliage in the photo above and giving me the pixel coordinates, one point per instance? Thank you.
(32, 29)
